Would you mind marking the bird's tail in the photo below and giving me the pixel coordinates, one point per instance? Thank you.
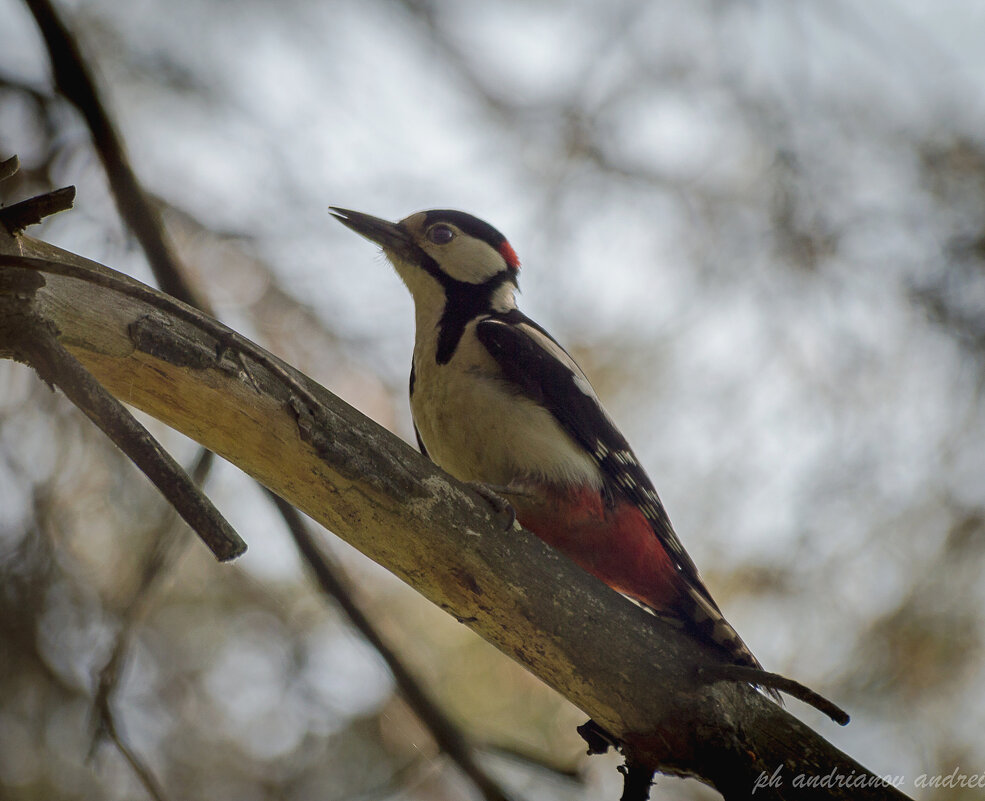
(702, 615)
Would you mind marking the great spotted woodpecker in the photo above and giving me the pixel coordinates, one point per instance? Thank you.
(496, 400)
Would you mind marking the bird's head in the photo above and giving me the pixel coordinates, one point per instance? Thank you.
(442, 249)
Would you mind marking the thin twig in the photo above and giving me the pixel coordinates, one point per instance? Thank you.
(143, 772)
(330, 578)
(57, 366)
(18, 216)
(74, 80)
(163, 542)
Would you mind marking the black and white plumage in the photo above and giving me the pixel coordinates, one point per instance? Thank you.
(495, 399)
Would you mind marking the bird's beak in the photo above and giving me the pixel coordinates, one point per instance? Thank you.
(392, 237)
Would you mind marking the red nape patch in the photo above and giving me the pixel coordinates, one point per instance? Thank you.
(507, 252)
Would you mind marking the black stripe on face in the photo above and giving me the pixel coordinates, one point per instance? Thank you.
(467, 224)
(463, 303)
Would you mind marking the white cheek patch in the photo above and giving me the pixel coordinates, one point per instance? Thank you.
(468, 259)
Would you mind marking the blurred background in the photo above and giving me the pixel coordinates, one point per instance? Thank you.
(759, 226)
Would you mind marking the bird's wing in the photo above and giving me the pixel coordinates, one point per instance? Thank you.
(533, 361)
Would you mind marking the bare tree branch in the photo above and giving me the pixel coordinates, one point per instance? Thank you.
(17, 217)
(31, 339)
(632, 673)
(75, 81)
(165, 542)
(140, 768)
(330, 578)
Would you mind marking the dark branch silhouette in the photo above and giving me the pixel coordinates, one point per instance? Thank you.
(328, 573)
(75, 81)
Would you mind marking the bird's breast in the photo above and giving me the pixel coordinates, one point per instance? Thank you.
(478, 427)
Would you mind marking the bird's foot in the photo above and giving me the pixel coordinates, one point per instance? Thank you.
(493, 495)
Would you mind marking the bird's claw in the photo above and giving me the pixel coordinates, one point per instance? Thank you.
(493, 495)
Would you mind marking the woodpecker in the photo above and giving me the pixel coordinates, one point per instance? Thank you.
(497, 401)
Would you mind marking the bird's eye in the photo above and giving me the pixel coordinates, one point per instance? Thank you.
(441, 234)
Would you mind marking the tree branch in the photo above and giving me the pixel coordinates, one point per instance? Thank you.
(166, 540)
(329, 576)
(30, 338)
(632, 673)
(20, 215)
(75, 81)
